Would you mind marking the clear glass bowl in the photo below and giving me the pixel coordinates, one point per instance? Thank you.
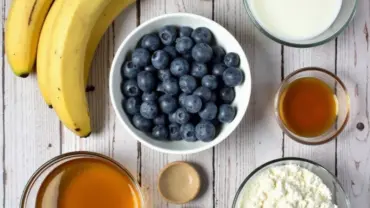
(342, 98)
(345, 15)
(28, 199)
(339, 197)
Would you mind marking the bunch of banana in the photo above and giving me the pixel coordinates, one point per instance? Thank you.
(65, 37)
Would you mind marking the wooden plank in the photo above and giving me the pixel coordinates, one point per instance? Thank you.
(354, 143)
(324, 57)
(258, 138)
(124, 147)
(153, 161)
(31, 132)
(101, 112)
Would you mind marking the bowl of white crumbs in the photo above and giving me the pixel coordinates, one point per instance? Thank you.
(291, 183)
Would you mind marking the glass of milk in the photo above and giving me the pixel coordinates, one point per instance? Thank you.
(301, 23)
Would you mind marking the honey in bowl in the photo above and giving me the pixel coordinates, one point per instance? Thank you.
(90, 183)
(308, 107)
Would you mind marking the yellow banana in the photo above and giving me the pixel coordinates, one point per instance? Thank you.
(23, 27)
(104, 21)
(42, 58)
(70, 35)
(106, 18)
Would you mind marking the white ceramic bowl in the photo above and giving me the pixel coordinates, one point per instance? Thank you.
(223, 38)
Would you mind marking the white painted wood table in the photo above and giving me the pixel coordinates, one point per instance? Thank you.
(31, 133)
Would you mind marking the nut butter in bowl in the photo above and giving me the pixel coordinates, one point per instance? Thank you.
(312, 105)
(82, 179)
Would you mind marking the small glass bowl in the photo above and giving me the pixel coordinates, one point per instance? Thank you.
(342, 98)
(345, 16)
(28, 199)
(339, 197)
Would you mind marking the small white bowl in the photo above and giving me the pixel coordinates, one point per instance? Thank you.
(223, 38)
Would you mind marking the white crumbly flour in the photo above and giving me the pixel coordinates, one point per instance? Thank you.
(287, 186)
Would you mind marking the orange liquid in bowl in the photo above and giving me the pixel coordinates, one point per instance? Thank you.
(308, 107)
(88, 183)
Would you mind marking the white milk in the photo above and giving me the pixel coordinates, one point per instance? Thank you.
(295, 19)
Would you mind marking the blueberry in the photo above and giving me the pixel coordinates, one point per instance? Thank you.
(182, 116)
(179, 67)
(210, 81)
(130, 88)
(232, 60)
(160, 87)
(172, 117)
(174, 131)
(218, 54)
(150, 68)
(182, 98)
(202, 35)
(209, 111)
(202, 52)
(132, 105)
(149, 110)
(160, 120)
(160, 132)
(187, 132)
(171, 86)
(226, 113)
(160, 59)
(171, 50)
(184, 45)
(192, 103)
(198, 70)
(168, 34)
(130, 70)
(218, 69)
(151, 42)
(149, 96)
(141, 57)
(205, 131)
(167, 104)
(185, 31)
(142, 123)
(146, 81)
(164, 74)
(188, 57)
(227, 95)
(187, 83)
(204, 93)
(232, 76)
(213, 97)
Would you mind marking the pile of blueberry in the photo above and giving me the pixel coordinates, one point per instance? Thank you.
(178, 86)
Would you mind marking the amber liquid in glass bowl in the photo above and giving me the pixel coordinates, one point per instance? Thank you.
(87, 182)
(308, 107)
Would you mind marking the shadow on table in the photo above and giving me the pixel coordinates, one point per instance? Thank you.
(204, 180)
(97, 88)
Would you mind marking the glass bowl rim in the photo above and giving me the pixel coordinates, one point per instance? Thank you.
(73, 155)
(295, 45)
(277, 99)
(296, 159)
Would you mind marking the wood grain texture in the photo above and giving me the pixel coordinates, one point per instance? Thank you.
(31, 132)
(125, 148)
(354, 143)
(153, 161)
(324, 57)
(258, 139)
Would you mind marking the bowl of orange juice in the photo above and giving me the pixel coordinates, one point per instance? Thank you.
(82, 179)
